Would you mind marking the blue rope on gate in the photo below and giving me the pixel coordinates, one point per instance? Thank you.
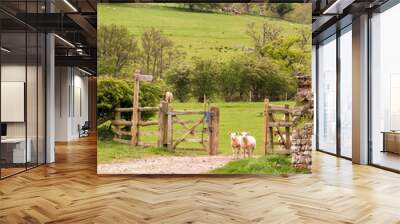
(207, 115)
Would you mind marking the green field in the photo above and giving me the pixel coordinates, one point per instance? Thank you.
(207, 35)
(234, 117)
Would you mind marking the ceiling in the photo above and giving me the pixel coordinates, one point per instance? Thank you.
(73, 21)
(330, 15)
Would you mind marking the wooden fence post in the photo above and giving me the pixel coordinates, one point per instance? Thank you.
(213, 129)
(266, 126)
(135, 111)
(170, 129)
(117, 118)
(287, 128)
(163, 125)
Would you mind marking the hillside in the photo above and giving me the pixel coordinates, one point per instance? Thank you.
(211, 35)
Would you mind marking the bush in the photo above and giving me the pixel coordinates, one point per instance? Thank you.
(104, 131)
(113, 92)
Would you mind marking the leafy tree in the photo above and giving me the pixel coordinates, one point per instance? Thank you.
(116, 49)
(159, 52)
(232, 81)
(205, 79)
(268, 33)
(292, 53)
(180, 78)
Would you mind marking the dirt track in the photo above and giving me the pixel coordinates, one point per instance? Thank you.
(165, 165)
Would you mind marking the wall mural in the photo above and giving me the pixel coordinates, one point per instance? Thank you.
(216, 88)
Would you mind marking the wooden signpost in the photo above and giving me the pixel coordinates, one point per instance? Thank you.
(135, 102)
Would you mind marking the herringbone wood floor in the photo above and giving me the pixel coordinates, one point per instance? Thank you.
(69, 191)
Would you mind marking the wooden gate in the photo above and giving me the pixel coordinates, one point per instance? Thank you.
(176, 128)
(273, 126)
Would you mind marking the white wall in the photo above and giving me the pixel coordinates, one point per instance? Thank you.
(71, 102)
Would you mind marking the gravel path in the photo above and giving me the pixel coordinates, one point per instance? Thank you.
(165, 165)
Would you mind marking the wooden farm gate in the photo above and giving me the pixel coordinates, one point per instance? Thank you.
(207, 122)
(273, 126)
(207, 137)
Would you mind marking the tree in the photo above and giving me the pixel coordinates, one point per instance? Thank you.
(291, 52)
(232, 83)
(159, 52)
(117, 49)
(180, 78)
(205, 79)
(268, 33)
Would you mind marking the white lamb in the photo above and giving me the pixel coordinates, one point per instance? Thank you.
(248, 144)
(236, 143)
(168, 97)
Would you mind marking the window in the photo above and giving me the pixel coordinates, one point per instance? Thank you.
(327, 95)
(346, 92)
(385, 89)
(22, 77)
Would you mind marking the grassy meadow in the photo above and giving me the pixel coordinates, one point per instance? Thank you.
(205, 35)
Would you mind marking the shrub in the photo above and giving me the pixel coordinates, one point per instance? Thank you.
(104, 131)
(113, 92)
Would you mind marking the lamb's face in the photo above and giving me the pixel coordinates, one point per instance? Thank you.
(233, 135)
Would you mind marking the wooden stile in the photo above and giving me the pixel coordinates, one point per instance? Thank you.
(270, 123)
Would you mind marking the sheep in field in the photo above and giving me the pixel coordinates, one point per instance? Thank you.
(248, 144)
(168, 97)
(236, 143)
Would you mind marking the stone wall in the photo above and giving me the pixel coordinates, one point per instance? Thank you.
(302, 147)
